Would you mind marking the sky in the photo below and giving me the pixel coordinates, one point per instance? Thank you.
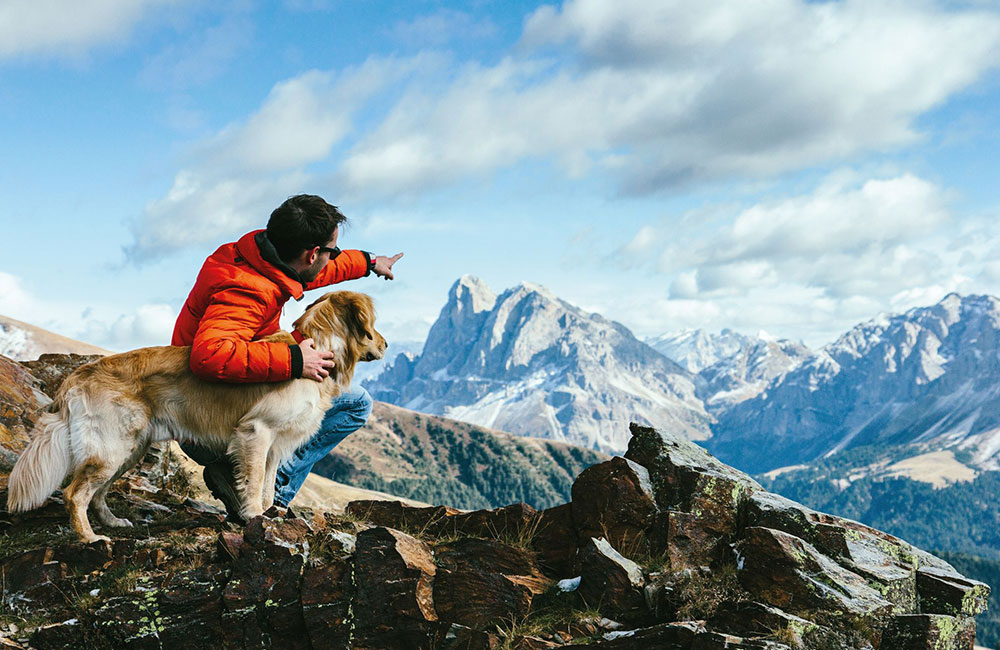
(769, 165)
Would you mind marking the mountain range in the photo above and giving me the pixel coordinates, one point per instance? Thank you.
(927, 377)
(530, 363)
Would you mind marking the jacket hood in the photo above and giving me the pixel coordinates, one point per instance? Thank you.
(259, 252)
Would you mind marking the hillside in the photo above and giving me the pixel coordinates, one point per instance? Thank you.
(22, 341)
(437, 460)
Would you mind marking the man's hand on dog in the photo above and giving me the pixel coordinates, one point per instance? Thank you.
(383, 265)
(316, 364)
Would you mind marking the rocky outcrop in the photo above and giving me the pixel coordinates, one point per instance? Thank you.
(664, 548)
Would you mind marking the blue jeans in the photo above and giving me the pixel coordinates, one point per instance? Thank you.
(347, 414)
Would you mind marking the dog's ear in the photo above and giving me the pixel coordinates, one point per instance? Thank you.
(362, 318)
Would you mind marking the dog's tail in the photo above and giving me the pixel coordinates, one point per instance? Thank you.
(44, 463)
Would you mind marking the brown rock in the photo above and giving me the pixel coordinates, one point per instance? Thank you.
(279, 536)
(36, 575)
(555, 541)
(51, 369)
(750, 619)
(513, 524)
(261, 599)
(229, 545)
(689, 544)
(326, 603)
(930, 632)
(397, 515)
(394, 606)
(614, 500)
(687, 478)
(190, 609)
(666, 636)
(786, 572)
(611, 582)
(20, 399)
(482, 583)
(66, 635)
(946, 592)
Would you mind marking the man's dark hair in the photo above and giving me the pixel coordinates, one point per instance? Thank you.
(301, 222)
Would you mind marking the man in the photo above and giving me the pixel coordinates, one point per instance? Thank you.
(237, 300)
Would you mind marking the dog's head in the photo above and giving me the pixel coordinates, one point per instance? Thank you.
(344, 320)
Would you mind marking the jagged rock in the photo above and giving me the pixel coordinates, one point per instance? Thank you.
(51, 369)
(480, 582)
(887, 561)
(20, 399)
(930, 632)
(611, 582)
(34, 575)
(688, 544)
(750, 619)
(57, 636)
(946, 592)
(517, 522)
(687, 478)
(278, 537)
(394, 607)
(555, 540)
(190, 606)
(789, 573)
(261, 598)
(229, 545)
(614, 500)
(327, 590)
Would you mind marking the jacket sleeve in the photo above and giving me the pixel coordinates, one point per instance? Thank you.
(349, 265)
(223, 349)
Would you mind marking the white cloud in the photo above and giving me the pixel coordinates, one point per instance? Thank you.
(669, 92)
(239, 175)
(53, 27)
(147, 324)
(652, 95)
(442, 27)
(199, 58)
(813, 265)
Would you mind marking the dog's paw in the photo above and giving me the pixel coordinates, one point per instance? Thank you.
(97, 538)
(118, 522)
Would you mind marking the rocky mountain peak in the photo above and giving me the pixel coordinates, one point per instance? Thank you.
(470, 295)
(537, 365)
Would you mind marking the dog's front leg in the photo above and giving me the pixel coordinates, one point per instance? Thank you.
(270, 478)
(248, 450)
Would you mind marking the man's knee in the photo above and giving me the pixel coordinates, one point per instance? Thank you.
(357, 404)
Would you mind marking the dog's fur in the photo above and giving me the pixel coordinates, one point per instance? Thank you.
(107, 414)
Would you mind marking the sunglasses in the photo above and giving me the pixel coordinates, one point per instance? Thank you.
(334, 252)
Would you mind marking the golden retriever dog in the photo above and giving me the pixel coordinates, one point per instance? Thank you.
(107, 413)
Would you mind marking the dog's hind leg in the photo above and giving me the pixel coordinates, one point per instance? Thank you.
(248, 449)
(88, 478)
(104, 514)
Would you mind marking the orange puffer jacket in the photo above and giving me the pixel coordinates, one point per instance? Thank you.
(237, 300)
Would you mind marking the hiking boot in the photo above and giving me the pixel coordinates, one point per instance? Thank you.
(219, 479)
